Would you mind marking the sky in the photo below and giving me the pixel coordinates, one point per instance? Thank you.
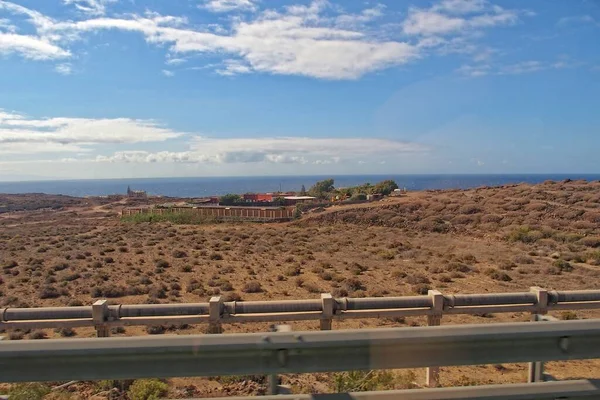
(151, 88)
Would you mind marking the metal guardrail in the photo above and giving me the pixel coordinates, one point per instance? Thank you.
(307, 352)
(326, 309)
(215, 313)
(296, 352)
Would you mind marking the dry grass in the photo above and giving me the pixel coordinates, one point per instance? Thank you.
(481, 240)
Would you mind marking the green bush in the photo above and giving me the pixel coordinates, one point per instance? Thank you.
(147, 389)
(525, 234)
(562, 265)
(28, 391)
(360, 381)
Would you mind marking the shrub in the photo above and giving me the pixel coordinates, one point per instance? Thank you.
(65, 332)
(460, 267)
(36, 335)
(252, 287)
(109, 260)
(360, 381)
(568, 316)
(49, 292)
(179, 254)
(591, 241)
(233, 296)
(28, 391)
(312, 288)
(293, 270)
(187, 268)
(498, 275)
(525, 234)
(421, 289)
(562, 265)
(147, 389)
(156, 330)
(353, 284)
(162, 264)
(61, 266)
(16, 335)
(108, 291)
(215, 257)
(520, 259)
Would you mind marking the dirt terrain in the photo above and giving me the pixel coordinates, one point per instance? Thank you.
(457, 241)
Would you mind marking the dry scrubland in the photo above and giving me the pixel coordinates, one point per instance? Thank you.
(474, 241)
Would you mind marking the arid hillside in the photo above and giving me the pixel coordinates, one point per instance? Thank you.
(457, 241)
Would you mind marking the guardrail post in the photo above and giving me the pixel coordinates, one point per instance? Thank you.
(214, 315)
(542, 300)
(536, 368)
(273, 380)
(100, 315)
(327, 314)
(434, 319)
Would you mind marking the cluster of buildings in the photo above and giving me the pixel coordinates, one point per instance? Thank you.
(136, 194)
(289, 199)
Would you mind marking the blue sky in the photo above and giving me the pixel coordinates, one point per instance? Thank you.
(145, 88)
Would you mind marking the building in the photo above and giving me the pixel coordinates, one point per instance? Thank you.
(263, 197)
(293, 200)
(136, 194)
(257, 197)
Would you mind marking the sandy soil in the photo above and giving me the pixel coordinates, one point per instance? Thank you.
(475, 241)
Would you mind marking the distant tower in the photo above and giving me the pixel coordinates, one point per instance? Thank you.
(128, 191)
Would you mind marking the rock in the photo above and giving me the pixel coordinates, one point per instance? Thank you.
(555, 255)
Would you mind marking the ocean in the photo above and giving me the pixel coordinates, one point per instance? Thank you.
(207, 186)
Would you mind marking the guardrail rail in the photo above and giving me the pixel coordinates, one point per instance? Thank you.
(316, 351)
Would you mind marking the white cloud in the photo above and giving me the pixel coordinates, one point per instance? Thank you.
(460, 6)
(522, 67)
(356, 20)
(228, 5)
(577, 20)
(234, 67)
(64, 69)
(317, 40)
(474, 70)
(175, 61)
(284, 150)
(456, 17)
(22, 135)
(91, 7)
(37, 147)
(168, 73)
(30, 47)
(6, 25)
(427, 22)
(299, 40)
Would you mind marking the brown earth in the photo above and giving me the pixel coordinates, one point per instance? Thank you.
(457, 241)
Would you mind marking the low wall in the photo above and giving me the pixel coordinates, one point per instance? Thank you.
(225, 213)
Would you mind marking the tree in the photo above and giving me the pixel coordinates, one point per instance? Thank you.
(229, 199)
(322, 188)
(302, 191)
(385, 187)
